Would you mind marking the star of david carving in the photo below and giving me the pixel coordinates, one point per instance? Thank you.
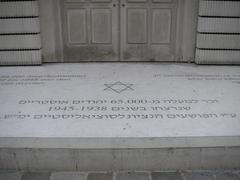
(119, 87)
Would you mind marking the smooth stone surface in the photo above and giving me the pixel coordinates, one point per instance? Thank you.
(119, 105)
(68, 176)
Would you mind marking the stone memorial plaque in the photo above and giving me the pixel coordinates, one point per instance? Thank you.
(119, 105)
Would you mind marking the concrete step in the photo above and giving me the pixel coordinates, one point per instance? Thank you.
(121, 116)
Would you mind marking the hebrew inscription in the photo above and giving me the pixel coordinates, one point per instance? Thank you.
(120, 92)
(117, 109)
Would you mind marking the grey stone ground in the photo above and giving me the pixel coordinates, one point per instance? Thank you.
(193, 175)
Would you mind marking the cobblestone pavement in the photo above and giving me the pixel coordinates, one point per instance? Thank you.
(187, 175)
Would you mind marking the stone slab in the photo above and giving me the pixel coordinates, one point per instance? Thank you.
(166, 176)
(119, 105)
(133, 176)
(10, 175)
(200, 176)
(36, 176)
(68, 176)
(227, 176)
(100, 176)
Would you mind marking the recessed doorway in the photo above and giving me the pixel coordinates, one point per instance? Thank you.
(119, 30)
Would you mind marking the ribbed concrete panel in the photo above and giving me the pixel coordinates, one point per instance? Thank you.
(19, 25)
(19, 8)
(20, 42)
(218, 41)
(217, 57)
(219, 25)
(20, 57)
(218, 38)
(219, 8)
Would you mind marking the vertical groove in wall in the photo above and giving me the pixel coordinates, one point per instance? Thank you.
(218, 37)
(20, 42)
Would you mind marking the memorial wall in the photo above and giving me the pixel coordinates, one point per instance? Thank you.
(168, 116)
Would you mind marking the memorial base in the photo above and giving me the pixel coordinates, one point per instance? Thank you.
(120, 116)
(141, 159)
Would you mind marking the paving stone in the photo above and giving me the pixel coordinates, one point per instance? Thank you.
(68, 176)
(100, 176)
(199, 176)
(166, 176)
(10, 176)
(238, 175)
(227, 176)
(36, 176)
(133, 176)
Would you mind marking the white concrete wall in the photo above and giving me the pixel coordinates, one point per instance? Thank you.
(187, 30)
(51, 30)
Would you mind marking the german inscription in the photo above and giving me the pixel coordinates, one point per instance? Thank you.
(23, 80)
(234, 78)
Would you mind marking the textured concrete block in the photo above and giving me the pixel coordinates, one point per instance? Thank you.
(218, 25)
(166, 176)
(133, 176)
(10, 176)
(68, 176)
(219, 8)
(199, 176)
(217, 57)
(20, 41)
(100, 176)
(218, 41)
(19, 8)
(36, 176)
(20, 57)
(19, 25)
